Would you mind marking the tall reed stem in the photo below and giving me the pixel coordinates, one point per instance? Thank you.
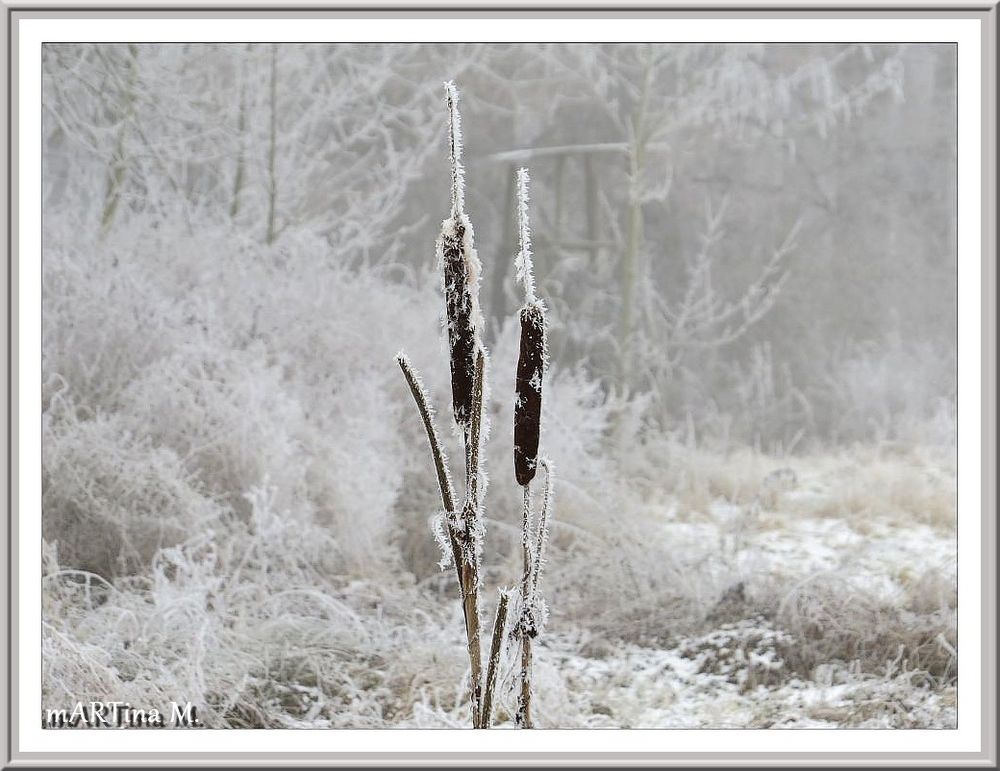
(440, 462)
(493, 664)
(523, 716)
(472, 547)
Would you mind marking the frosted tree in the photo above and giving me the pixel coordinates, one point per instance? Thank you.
(657, 112)
(262, 137)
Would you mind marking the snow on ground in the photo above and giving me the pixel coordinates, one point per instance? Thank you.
(807, 613)
(647, 688)
(734, 675)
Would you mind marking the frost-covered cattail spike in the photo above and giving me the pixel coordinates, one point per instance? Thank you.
(524, 271)
(528, 392)
(461, 332)
(455, 150)
(531, 360)
(461, 268)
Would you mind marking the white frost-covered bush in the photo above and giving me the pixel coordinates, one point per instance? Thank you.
(112, 497)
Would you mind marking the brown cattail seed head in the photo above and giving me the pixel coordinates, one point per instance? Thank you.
(461, 329)
(528, 390)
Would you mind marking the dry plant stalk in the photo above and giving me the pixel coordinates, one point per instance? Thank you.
(461, 531)
(471, 535)
(493, 665)
(527, 429)
(533, 609)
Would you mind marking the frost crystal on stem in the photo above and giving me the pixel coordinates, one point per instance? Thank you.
(522, 263)
(455, 150)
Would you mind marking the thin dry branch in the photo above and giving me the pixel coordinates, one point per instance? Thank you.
(440, 460)
(523, 716)
(471, 515)
(493, 664)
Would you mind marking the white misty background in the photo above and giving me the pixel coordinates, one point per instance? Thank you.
(748, 256)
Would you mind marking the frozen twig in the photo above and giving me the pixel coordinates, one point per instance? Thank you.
(440, 460)
(455, 150)
(472, 537)
(525, 626)
(496, 647)
(542, 533)
(522, 263)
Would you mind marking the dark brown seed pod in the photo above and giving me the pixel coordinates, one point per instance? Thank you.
(461, 331)
(528, 392)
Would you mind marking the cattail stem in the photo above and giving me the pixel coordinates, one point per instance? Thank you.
(455, 150)
(542, 534)
(440, 461)
(423, 406)
(470, 608)
(524, 270)
(523, 719)
(470, 563)
(475, 432)
(523, 716)
(494, 661)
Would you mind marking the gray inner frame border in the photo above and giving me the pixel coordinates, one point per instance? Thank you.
(985, 12)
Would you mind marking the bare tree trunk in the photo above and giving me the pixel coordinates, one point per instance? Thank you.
(560, 196)
(272, 179)
(498, 298)
(593, 226)
(116, 174)
(241, 128)
(630, 259)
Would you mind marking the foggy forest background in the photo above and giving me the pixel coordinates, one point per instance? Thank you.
(748, 257)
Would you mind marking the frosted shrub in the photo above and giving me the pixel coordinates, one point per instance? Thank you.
(227, 415)
(112, 497)
(892, 390)
(104, 321)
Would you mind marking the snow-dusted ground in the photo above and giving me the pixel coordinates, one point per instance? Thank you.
(828, 609)
(308, 652)
(734, 676)
(736, 673)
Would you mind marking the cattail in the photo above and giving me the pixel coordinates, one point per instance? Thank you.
(460, 266)
(461, 333)
(460, 531)
(531, 360)
(528, 407)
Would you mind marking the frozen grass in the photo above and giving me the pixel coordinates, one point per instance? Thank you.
(258, 621)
